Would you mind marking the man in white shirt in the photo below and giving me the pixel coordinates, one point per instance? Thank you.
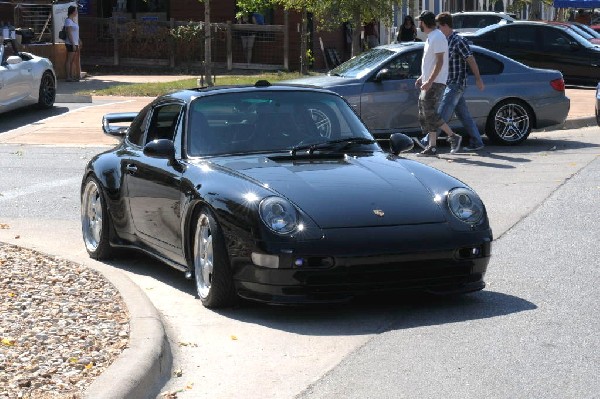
(432, 83)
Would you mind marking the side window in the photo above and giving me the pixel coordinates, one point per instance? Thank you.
(487, 65)
(163, 122)
(522, 36)
(406, 66)
(554, 40)
(138, 127)
(458, 22)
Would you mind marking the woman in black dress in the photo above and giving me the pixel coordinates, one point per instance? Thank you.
(408, 30)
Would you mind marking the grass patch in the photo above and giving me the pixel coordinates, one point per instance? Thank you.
(154, 89)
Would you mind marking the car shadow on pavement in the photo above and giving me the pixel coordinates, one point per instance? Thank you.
(27, 116)
(379, 314)
(359, 316)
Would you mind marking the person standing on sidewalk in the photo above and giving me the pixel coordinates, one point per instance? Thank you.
(453, 101)
(432, 82)
(73, 44)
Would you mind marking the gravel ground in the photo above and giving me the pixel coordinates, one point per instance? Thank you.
(61, 325)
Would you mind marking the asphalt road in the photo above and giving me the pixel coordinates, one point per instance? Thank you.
(531, 333)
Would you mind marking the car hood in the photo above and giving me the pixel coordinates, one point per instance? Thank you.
(323, 81)
(345, 192)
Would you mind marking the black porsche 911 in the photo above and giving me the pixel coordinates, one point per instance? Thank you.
(279, 193)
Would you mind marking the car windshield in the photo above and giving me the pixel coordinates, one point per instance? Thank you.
(270, 121)
(362, 64)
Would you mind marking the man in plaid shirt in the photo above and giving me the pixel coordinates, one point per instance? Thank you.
(459, 55)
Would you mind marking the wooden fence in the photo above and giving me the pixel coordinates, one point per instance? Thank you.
(121, 42)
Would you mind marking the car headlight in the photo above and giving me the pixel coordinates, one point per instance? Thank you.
(278, 215)
(465, 205)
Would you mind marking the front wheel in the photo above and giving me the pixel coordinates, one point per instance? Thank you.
(95, 221)
(509, 123)
(47, 93)
(212, 269)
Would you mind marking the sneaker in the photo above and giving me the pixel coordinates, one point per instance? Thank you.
(428, 152)
(418, 142)
(455, 143)
(473, 147)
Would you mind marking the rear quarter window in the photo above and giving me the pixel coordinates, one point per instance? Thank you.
(487, 65)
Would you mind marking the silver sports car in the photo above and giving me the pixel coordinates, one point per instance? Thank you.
(25, 79)
(379, 84)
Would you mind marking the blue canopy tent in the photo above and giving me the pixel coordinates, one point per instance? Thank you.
(576, 3)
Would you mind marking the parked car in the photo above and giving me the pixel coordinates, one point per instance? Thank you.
(543, 45)
(578, 30)
(471, 21)
(25, 79)
(597, 107)
(279, 194)
(587, 29)
(380, 87)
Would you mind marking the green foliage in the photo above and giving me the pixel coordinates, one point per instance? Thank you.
(188, 33)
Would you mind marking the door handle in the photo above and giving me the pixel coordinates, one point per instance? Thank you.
(131, 169)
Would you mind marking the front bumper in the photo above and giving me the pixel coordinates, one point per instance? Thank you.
(338, 268)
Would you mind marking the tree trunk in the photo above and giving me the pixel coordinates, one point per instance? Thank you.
(357, 29)
(303, 29)
(207, 44)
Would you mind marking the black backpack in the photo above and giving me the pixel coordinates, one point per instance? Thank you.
(62, 35)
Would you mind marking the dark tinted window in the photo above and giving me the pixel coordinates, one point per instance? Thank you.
(487, 65)
(522, 36)
(555, 40)
(163, 122)
(138, 127)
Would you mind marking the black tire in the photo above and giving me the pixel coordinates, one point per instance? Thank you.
(95, 221)
(47, 94)
(509, 123)
(212, 270)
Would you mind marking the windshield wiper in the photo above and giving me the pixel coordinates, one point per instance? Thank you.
(336, 145)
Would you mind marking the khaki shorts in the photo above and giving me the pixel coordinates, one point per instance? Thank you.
(429, 118)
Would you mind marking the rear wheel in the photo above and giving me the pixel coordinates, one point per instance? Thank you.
(212, 270)
(47, 93)
(95, 222)
(509, 123)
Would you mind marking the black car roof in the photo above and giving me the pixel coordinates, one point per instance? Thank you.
(260, 86)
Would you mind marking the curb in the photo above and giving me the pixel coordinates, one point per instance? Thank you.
(145, 365)
(73, 98)
(573, 123)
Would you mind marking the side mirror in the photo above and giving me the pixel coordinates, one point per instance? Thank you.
(382, 75)
(400, 142)
(162, 148)
(13, 60)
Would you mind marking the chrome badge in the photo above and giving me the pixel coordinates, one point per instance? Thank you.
(378, 212)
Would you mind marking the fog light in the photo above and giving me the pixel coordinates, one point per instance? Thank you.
(264, 260)
(299, 262)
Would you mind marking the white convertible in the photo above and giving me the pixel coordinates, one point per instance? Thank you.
(25, 79)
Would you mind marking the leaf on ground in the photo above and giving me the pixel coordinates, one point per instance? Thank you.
(89, 366)
(177, 373)
(8, 342)
(4, 226)
(17, 237)
(233, 338)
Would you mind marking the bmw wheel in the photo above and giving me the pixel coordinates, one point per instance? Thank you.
(47, 93)
(95, 222)
(212, 270)
(509, 123)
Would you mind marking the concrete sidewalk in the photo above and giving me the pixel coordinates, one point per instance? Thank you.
(82, 127)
